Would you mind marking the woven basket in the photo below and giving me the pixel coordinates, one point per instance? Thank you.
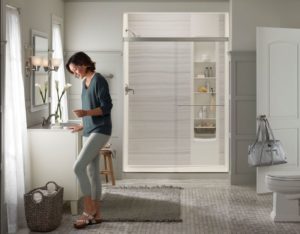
(45, 215)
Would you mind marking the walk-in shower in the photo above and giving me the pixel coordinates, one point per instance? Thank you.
(175, 92)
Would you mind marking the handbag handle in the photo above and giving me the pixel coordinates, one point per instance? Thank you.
(269, 131)
(261, 131)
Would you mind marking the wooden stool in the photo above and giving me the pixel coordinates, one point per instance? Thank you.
(108, 166)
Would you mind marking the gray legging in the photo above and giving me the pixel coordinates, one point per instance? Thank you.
(88, 159)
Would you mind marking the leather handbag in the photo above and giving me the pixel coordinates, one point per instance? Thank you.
(266, 150)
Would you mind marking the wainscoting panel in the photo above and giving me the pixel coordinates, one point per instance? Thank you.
(242, 114)
(245, 113)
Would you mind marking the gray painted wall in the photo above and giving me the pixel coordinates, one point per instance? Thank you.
(245, 16)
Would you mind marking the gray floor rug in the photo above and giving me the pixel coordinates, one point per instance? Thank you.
(141, 204)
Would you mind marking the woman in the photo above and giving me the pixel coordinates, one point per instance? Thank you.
(95, 112)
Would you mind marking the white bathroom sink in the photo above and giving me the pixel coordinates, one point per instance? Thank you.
(65, 124)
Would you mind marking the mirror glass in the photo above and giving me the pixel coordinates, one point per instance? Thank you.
(39, 78)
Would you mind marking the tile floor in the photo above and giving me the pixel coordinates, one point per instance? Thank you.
(208, 206)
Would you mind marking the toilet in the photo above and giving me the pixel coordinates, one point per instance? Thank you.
(285, 186)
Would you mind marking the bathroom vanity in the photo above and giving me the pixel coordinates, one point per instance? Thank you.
(52, 153)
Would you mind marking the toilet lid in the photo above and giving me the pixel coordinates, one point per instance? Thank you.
(285, 177)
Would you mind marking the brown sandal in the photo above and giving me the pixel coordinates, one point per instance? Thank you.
(97, 220)
(84, 220)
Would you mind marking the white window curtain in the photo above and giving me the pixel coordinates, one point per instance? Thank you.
(15, 127)
(60, 74)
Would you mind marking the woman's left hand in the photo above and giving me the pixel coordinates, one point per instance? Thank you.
(76, 128)
(80, 113)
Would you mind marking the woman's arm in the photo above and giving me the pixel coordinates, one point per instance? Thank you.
(93, 112)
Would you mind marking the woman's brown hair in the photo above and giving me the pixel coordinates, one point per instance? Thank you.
(79, 59)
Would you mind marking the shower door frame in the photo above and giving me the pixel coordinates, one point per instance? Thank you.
(127, 90)
(3, 227)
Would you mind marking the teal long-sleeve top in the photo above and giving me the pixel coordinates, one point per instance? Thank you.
(94, 96)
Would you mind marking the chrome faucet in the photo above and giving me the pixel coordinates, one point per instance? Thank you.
(46, 122)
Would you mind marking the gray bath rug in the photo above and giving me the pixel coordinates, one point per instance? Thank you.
(141, 204)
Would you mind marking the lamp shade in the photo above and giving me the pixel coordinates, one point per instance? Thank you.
(55, 62)
(45, 62)
(36, 61)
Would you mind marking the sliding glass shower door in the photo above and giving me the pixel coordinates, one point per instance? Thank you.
(159, 115)
(175, 92)
(163, 101)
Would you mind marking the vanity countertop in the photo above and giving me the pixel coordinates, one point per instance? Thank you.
(50, 127)
(60, 127)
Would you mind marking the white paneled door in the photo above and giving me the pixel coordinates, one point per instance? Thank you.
(278, 83)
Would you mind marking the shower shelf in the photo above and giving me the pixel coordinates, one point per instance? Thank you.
(204, 137)
(205, 119)
(205, 78)
(204, 62)
(205, 127)
(205, 130)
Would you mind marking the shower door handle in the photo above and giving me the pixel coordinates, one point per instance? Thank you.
(127, 90)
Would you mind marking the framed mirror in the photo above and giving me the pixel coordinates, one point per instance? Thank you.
(39, 84)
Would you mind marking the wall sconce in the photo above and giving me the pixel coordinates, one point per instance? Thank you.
(51, 65)
(35, 62)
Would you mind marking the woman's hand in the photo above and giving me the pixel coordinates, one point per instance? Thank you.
(76, 128)
(93, 112)
(80, 113)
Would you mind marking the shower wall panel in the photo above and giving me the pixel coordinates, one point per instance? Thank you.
(159, 127)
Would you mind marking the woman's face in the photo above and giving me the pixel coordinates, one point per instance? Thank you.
(78, 70)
